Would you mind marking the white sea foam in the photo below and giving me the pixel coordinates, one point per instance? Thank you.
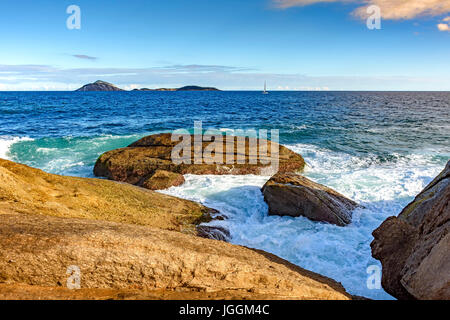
(340, 253)
(6, 142)
(343, 254)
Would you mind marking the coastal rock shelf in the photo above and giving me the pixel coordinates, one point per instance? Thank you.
(128, 242)
(32, 191)
(289, 194)
(414, 248)
(138, 162)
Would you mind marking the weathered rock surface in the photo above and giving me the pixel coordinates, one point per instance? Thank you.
(289, 194)
(49, 222)
(99, 86)
(28, 190)
(37, 250)
(161, 180)
(414, 248)
(138, 162)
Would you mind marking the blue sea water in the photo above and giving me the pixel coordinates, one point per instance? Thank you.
(379, 148)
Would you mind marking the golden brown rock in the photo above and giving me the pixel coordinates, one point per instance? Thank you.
(414, 248)
(28, 190)
(289, 194)
(49, 223)
(138, 162)
(161, 180)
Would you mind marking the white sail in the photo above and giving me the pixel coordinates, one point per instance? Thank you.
(265, 88)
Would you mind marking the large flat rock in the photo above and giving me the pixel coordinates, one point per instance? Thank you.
(37, 250)
(138, 162)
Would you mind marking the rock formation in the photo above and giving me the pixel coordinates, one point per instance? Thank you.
(99, 86)
(138, 162)
(161, 180)
(28, 190)
(290, 194)
(414, 248)
(49, 223)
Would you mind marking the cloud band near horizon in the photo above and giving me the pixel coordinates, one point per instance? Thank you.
(46, 77)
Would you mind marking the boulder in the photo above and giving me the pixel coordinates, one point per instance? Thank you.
(290, 194)
(138, 162)
(414, 248)
(162, 179)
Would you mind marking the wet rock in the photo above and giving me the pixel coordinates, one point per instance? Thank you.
(289, 194)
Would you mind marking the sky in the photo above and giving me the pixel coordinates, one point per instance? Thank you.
(232, 45)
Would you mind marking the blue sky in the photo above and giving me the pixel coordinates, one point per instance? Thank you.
(233, 44)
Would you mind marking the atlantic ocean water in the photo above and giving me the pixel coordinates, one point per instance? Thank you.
(378, 148)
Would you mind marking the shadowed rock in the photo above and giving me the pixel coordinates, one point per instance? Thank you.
(138, 162)
(293, 195)
(414, 248)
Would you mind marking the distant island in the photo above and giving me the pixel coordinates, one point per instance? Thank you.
(106, 86)
(99, 86)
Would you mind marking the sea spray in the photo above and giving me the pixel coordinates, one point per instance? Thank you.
(340, 253)
(6, 142)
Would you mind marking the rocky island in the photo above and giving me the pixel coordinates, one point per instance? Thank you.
(100, 85)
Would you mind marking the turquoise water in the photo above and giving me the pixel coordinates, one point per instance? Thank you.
(378, 148)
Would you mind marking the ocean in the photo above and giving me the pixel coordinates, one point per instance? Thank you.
(378, 148)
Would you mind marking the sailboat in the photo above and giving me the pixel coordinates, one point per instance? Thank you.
(265, 88)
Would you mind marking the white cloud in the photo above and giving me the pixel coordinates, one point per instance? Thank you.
(407, 9)
(445, 25)
(390, 9)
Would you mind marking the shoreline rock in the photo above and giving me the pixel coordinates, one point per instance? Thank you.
(414, 248)
(128, 242)
(290, 194)
(139, 161)
(33, 191)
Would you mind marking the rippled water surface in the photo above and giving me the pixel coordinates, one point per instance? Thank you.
(378, 148)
